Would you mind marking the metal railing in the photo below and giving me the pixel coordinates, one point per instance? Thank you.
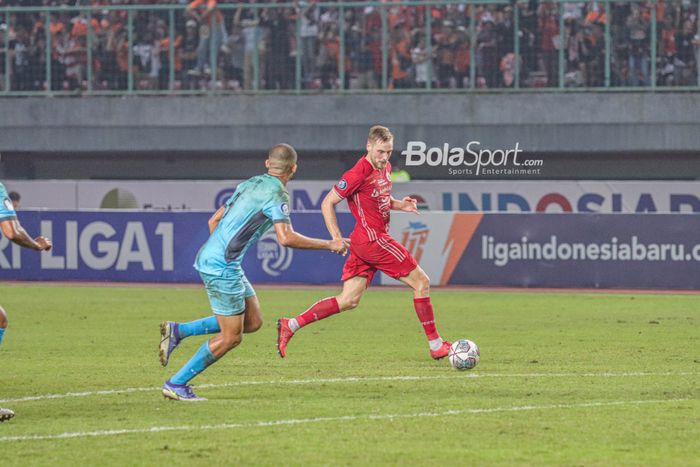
(342, 47)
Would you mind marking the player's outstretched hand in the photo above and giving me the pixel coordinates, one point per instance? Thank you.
(409, 204)
(44, 243)
(340, 246)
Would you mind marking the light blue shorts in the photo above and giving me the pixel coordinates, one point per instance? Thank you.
(227, 294)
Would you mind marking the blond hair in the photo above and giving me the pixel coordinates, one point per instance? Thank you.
(282, 158)
(379, 134)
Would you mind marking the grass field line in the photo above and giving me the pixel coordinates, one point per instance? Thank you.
(351, 379)
(342, 418)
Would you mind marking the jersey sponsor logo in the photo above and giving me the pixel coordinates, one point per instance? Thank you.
(8, 205)
(384, 204)
(274, 258)
(380, 191)
(285, 209)
(342, 184)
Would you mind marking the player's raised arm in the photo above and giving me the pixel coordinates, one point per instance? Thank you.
(14, 232)
(289, 238)
(406, 204)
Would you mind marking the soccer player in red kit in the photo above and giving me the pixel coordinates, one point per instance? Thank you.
(367, 189)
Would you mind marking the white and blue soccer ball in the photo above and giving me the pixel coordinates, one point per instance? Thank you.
(464, 354)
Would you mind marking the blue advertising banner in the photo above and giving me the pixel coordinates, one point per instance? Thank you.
(583, 250)
(533, 250)
(660, 251)
(155, 247)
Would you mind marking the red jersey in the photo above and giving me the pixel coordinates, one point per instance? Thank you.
(368, 192)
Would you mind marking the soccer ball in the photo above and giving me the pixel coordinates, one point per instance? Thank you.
(464, 354)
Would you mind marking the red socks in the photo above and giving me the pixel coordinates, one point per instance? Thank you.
(319, 310)
(424, 310)
(329, 306)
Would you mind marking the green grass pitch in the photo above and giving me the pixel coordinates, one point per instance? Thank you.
(564, 379)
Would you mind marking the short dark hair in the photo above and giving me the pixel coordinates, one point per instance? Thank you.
(14, 196)
(282, 158)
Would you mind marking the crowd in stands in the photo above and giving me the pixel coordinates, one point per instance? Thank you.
(239, 37)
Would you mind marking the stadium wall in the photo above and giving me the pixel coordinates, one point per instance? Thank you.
(529, 250)
(571, 121)
(626, 130)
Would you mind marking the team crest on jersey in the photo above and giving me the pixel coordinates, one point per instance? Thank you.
(342, 184)
(375, 193)
(285, 209)
(8, 205)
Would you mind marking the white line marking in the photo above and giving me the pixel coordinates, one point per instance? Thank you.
(345, 418)
(351, 379)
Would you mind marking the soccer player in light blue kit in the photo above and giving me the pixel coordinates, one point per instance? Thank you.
(12, 229)
(256, 205)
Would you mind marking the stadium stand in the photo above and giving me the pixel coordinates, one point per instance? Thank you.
(235, 46)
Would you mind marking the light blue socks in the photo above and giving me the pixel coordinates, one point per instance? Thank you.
(201, 359)
(208, 325)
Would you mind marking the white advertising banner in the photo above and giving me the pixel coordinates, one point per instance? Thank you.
(49, 194)
(484, 196)
(425, 237)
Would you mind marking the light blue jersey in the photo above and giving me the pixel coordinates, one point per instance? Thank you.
(7, 212)
(256, 204)
(7, 209)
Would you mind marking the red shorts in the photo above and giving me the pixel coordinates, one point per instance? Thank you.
(384, 254)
